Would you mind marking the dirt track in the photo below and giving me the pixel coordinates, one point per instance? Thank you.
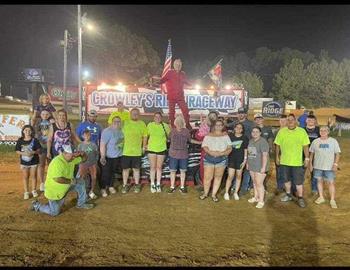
(174, 229)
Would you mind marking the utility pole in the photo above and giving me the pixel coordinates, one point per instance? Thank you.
(65, 69)
(82, 114)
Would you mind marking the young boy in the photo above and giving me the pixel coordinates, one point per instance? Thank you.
(90, 165)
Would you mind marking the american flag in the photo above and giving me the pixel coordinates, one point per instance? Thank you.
(167, 64)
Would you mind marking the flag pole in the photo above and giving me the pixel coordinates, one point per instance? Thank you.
(212, 68)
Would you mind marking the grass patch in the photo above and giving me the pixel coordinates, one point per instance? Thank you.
(7, 148)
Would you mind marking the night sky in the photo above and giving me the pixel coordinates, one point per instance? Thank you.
(30, 34)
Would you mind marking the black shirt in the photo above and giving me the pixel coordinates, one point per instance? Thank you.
(313, 133)
(238, 146)
(31, 145)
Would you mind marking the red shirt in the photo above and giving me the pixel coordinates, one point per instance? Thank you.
(175, 82)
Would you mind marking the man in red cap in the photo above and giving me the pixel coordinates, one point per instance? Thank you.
(175, 79)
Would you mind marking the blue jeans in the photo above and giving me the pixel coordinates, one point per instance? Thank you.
(246, 181)
(313, 183)
(279, 178)
(53, 207)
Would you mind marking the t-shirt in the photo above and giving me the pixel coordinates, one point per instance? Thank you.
(26, 146)
(291, 142)
(124, 115)
(59, 167)
(134, 131)
(302, 120)
(48, 107)
(178, 143)
(324, 153)
(113, 138)
(239, 144)
(94, 128)
(266, 133)
(313, 133)
(157, 137)
(255, 154)
(247, 124)
(91, 150)
(43, 128)
(216, 143)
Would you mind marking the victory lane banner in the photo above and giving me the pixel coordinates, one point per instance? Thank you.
(11, 126)
(148, 101)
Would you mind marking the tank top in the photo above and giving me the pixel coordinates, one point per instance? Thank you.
(60, 137)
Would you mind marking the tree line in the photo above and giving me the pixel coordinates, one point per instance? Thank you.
(285, 74)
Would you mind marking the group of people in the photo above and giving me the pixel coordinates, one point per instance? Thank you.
(243, 147)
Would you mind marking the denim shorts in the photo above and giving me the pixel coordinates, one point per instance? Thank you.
(215, 161)
(175, 163)
(324, 174)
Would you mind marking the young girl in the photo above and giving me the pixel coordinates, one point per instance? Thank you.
(90, 165)
(258, 165)
(42, 132)
(28, 148)
(44, 104)
(158, 133)
(178, 153)
(237, 160)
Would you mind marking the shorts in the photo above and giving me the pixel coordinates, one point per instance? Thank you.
(292, 173)
(84, 170)
(324, 174)
(28, 166)
(234, 163)
(215, 161)
(131, 162)
(162, 153)
(175, 163)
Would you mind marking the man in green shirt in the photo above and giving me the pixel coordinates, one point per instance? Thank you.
(135, 140)
(291, 142)
(121, 112)
(60, 180)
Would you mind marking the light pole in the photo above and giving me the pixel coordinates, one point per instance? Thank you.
(65, 69)
(81, 112)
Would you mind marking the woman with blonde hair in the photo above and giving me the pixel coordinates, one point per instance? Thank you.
(44, 105)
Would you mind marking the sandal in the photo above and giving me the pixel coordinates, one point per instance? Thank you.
(215, 199)
(203, 197)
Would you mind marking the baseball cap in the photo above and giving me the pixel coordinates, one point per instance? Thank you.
(258, 115)
(68, 149)
(92, 113)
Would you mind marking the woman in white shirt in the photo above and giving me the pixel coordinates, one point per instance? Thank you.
(217, 146)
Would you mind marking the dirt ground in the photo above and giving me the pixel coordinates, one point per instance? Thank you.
(174, 229)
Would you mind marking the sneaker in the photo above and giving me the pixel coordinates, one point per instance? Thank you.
(226, 197)
(112, 190)
(320, 200)
(103, 193)
(26, 195)
(31, 206)
(137, 188)
(235, 196)
(125, 188)
(301, 202)
(153, 189)
(158, 188)
(92, 195)
(35, 194)
(260, 205)
(171, 190)
(286, 198)
(333, 204)
(183, 190)
(86, 206)
(252, 200)
(42, 187)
